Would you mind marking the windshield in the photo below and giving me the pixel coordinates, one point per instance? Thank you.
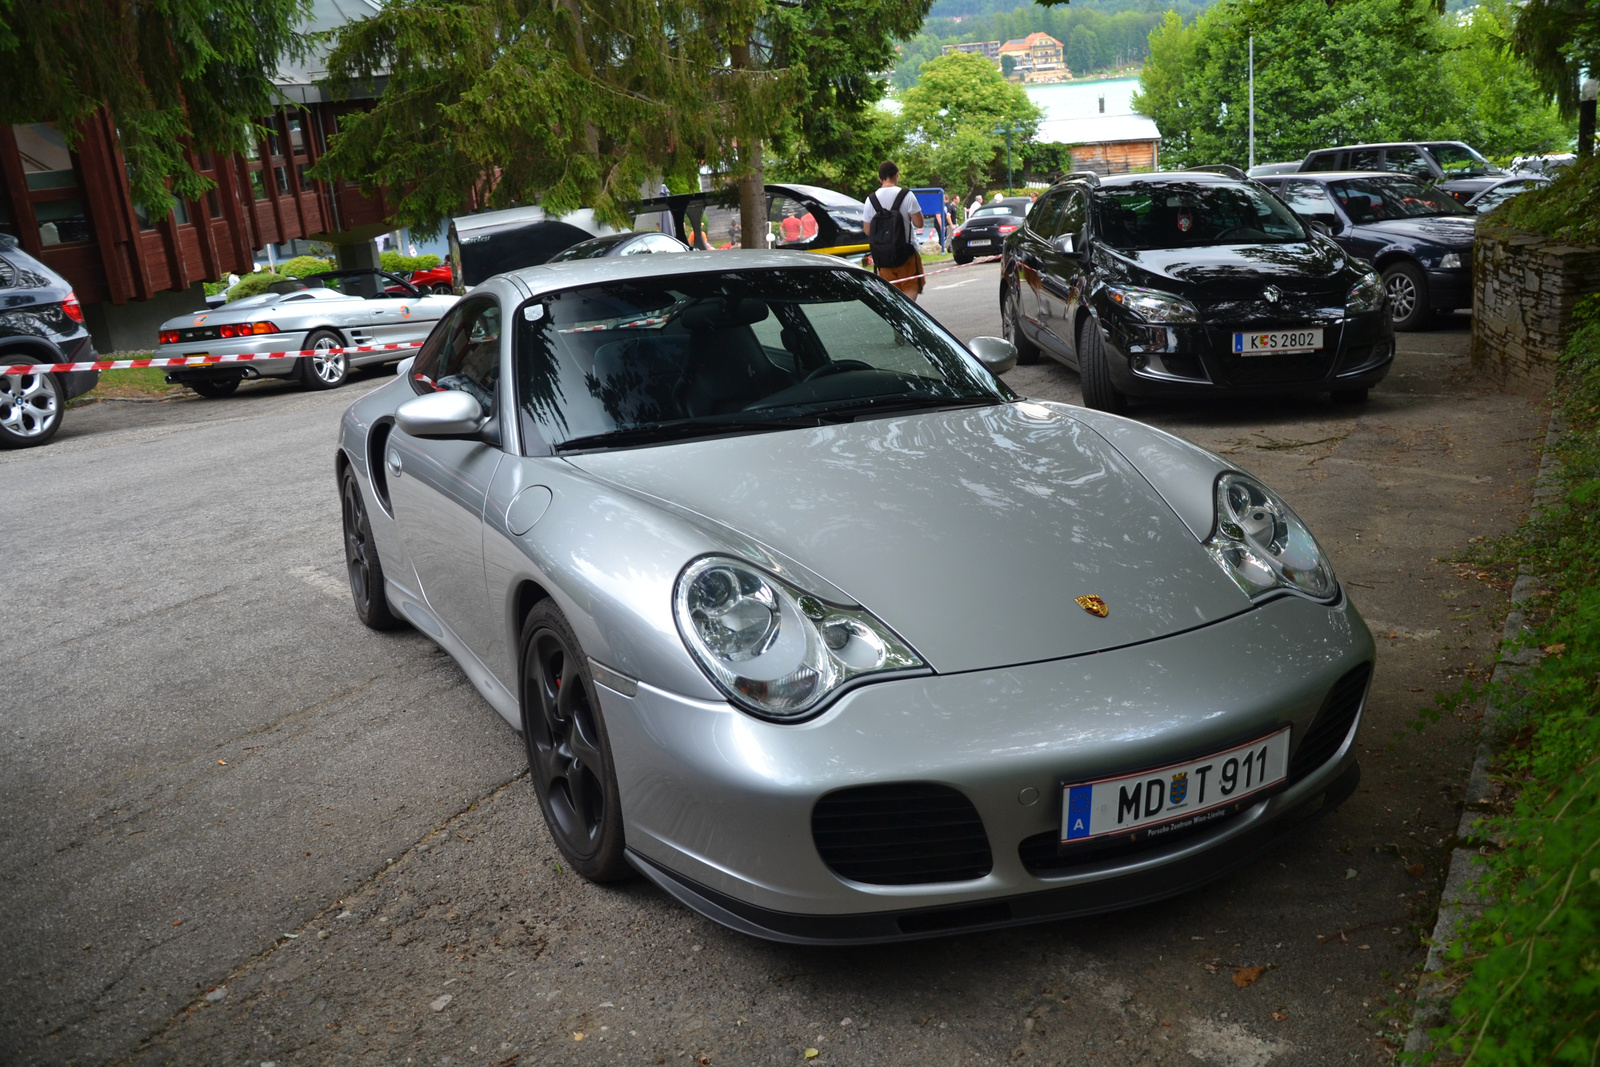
(1459, 161)
(589, 249)
(1002, 209)
(1376, 199)
(1144, 215)
(628, 363)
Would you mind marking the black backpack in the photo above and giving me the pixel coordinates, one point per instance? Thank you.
(888, 241)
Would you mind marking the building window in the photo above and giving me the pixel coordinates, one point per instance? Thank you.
(258, 184)
(213, 204)
(52, 184)
(297, 134)
(303, 172)
(282, 175)
(180, 212)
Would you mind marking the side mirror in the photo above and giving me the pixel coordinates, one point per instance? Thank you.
(1322, 227)
(451, 413)
(995, 353)
(1066, 244)
(403, 368)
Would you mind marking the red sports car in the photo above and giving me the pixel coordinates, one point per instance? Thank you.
(434, 280)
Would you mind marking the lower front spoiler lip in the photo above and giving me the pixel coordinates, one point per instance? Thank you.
(1045, 905)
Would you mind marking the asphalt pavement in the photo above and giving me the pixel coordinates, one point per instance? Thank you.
(237, 827)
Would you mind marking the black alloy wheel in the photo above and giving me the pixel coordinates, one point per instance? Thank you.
(214, 388)
(1407, 287)
(1011, 327)
(1094, 372)
(361, 558)
(569, 754)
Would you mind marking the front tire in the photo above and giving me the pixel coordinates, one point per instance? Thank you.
(361, 558)
(1011, 328)
(569, 751)
(1407, 287)
(31, 406)
(1094, 369)
(325, 368)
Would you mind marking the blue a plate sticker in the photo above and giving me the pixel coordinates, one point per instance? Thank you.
(1078, 810)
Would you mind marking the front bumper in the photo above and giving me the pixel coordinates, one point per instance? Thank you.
(718, 805)
(1451, 289)
(248, 346)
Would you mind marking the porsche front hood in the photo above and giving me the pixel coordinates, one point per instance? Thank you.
(971, 532)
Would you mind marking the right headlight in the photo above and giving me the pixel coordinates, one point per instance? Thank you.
(777, 651)
(1263, 546)
(1152, 305)
(1367, 294)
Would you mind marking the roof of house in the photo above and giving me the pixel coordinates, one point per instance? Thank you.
(1016, 44)
(1039, 37)
(1099, 129)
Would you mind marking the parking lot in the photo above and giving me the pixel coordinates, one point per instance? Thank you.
(238, 827)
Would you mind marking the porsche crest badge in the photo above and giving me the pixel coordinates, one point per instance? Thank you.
(1094, 605)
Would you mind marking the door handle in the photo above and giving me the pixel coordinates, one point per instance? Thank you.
(394, 463)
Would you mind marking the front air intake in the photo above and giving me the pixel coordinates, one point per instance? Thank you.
(908, 833)
(1332, 724)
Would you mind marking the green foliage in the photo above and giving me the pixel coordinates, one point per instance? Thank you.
(1531, 964)
(302, 266)
(402, 264)
(1567, 209)
(853, 170)
(1560, 38)
(171, 76)
(256, 283)
(1381, 70)
(949, 118)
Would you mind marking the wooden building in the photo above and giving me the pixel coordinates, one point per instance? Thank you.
(1107, 144)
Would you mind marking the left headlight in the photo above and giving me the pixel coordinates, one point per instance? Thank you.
(1367, 294)
(777, 651)
(1450, 261)
(1263, 546)
(1152, 305)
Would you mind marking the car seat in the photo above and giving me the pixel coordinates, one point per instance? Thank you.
(727, 369)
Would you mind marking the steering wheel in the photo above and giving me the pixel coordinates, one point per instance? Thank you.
(838, 368)
(1231, 229)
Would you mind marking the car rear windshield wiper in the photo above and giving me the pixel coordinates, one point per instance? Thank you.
(677, 431)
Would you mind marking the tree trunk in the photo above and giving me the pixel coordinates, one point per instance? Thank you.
(752, 181)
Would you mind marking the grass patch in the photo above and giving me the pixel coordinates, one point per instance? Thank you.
(138, 383)
(1529, 969)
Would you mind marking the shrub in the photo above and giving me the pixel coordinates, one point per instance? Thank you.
(403, 265)
(301, 266)
(1532, 962)
(254, 284)
(1567, 209)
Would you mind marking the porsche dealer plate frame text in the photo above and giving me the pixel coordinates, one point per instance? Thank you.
(1277, 342)
(1209, 787)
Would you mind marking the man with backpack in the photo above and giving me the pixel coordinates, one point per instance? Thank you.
(891, 216)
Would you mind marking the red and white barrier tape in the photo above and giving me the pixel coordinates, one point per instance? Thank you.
(190, 361)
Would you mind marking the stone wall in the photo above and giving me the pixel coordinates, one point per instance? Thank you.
(1525, 286)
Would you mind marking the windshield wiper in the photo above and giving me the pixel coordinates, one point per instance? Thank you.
(677, 431)
(872, 405)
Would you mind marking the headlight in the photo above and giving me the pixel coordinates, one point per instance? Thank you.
(1262, 544)
(1451, 261)
(1152, 305)
(1367, 294)
(777, 651)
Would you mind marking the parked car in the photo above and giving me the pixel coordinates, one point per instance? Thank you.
(492, 242)
(321, 313)
(1455, 167)
(986, 229)
(702, 529)
(621, 244)
(1503, 190)
(1272, 168)
(1418, 237)
(801, 218)
(40, 322)
(1190, 284)
(1549, 165)
(437, 280)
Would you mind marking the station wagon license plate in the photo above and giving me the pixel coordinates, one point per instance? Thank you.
(1277, 342)
(1174, 797)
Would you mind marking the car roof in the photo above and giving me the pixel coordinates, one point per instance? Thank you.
(1170, 177)
(575, 272)
(1386, 144)
(1341, 175)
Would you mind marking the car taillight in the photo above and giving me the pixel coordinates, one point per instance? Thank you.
(262, 327)
(229, 330)
(1007, 229)
(71, 308)
(169, 337)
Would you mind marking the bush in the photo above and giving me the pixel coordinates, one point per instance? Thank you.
(302, 266)
(1532, 962)
(1567, 209)
(254, 284)
(395, 263)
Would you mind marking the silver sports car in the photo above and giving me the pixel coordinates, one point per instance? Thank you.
(321, 313)
(805, 616)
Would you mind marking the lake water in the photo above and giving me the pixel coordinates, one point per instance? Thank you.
(1081, 100)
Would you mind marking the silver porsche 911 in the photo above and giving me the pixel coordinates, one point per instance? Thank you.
(805, 616)
(321, 314)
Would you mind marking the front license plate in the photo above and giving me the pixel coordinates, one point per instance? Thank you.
(1171, 798)
(1276, 342)
(985, 243)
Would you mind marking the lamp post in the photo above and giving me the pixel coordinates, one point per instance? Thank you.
(1252, 100)
(1586, 100)
(1008, 131)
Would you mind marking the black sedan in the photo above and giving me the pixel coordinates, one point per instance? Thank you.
(1417, 236)
(40, 322)
(1503, 190)
(986, 229)
(621, 244)
(1190, 284)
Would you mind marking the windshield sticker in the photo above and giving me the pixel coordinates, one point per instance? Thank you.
(1184, 222)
